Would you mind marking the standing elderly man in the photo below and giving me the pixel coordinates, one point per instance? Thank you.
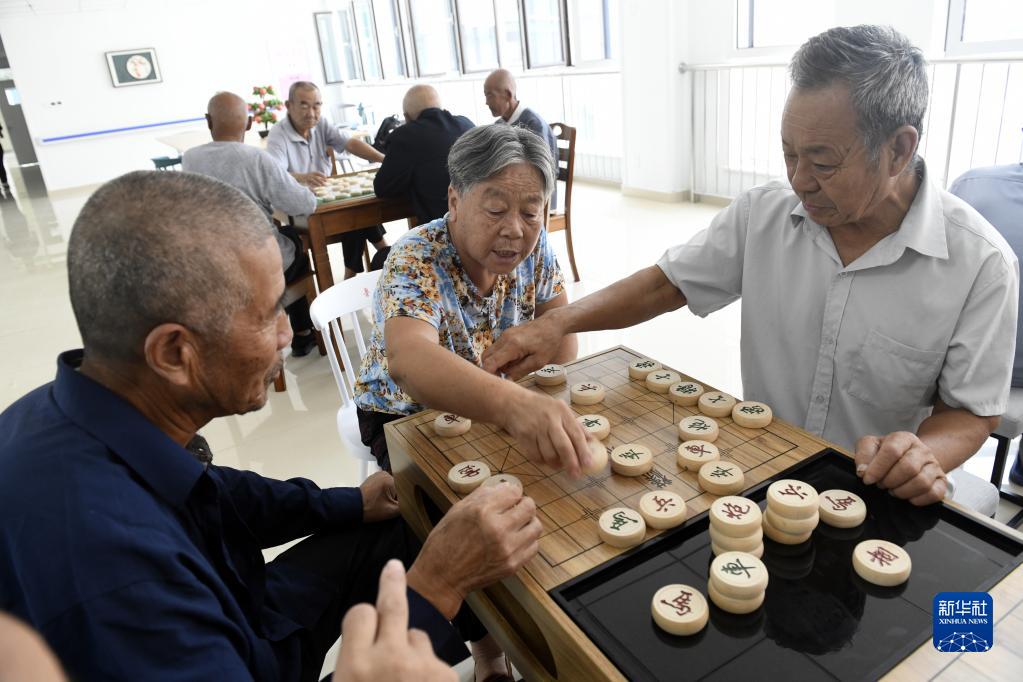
(416, 165)
(252, 171)
(453, 287)
(299, 143)
(879, 312)
(137, 558)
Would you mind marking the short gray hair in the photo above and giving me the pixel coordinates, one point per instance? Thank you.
(485, 151)
(155, 247)
(885, 73)
(301, 85)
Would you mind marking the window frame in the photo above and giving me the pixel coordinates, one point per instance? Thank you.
(319, 43)
(955, 46)
(566, 48)
(415, 43)
(606, 38)
(396, 7)
(462, 64)
(376, 41)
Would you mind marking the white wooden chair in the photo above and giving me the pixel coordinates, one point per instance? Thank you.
(344, 300)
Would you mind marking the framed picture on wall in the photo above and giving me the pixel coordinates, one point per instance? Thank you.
(133, 67)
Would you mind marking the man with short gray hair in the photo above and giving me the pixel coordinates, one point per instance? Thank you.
(138, 558)
(299, 143)
(879, 312)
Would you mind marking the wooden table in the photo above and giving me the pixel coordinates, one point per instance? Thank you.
(332, 220)
(540, 638)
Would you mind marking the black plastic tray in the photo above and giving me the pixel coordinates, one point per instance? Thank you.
(819, 619)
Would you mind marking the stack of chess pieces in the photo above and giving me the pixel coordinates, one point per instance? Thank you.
(737, 577)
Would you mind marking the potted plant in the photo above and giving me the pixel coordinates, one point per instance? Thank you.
(264, 110)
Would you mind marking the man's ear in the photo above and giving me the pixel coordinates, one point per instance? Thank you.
(171, 351)
(209, 122)
(903, 145)
(248, 123)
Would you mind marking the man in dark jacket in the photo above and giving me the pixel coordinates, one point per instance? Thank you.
(416, 164)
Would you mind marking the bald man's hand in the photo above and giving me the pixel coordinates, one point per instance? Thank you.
(311, 179)
(903, 464)
(483, 538)
(377, 643)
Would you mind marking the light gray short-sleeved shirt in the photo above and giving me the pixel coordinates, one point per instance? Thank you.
(299, 155)
(253, 172)
(863, 349)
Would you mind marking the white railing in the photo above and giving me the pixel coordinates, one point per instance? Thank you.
(974, 118)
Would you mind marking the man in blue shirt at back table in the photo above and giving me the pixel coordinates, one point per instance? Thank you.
(132, 554)
(997, 194)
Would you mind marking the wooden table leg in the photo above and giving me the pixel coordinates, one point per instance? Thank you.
(318, 240)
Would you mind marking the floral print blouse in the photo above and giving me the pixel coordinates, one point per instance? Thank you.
(423, 278)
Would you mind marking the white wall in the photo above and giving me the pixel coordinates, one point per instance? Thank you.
(202, 47)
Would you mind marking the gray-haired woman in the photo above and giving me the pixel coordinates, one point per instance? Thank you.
(451, 287)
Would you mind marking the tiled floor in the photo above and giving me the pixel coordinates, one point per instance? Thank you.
(294, 435)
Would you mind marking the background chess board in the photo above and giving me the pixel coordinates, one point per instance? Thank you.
(569, 509)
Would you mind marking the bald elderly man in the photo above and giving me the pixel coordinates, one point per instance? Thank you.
(252, 171)
(501, 93)
(138, 557)
(416, 165)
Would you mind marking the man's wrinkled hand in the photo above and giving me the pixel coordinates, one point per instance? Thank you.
(379, 498)
(483, 538)
(903, 464)
(524, 349)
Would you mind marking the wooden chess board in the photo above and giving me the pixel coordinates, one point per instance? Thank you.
(543, 641)
(569, 509)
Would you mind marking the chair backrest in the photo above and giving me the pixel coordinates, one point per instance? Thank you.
(333, 161)
(344, 299)
(565, 136)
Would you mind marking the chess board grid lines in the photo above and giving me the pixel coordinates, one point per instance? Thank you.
(569, 509)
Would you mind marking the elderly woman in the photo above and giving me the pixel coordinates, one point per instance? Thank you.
(451, 287)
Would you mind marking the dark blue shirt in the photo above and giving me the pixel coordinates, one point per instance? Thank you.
(136, 562)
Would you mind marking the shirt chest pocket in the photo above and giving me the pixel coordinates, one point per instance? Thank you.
(893, 376)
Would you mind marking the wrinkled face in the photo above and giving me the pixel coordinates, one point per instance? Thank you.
(238, 369)
(826, 160)
(496, 224)
(304, 108)
(498, 101)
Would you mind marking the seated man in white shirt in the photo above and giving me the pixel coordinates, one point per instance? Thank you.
(879, 311)
(299, 142)
(252, 171)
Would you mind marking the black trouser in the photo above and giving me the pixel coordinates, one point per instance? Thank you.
(371, 431)
(352, 559)
(352, 245)
(298, 311)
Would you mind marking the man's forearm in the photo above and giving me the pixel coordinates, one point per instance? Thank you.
(363, 150)
(630, 301)
(955, 435)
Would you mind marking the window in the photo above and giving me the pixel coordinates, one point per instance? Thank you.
(392, 55)
(367, 34)
(478, 35)
(781, 23)
(509, 33)
(590, 23)
(433, 31)
(984, 26)
(544, 40)
(337, 46)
